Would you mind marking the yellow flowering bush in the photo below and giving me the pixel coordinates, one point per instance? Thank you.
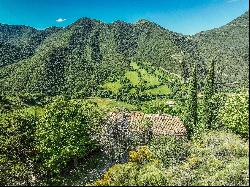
(141, 169)
(142, 154)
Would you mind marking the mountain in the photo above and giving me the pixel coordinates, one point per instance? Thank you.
(230, 45)
(85, 54)
(89, 54)
(20, 42)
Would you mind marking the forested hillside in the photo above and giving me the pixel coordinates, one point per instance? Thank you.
(80, 57)
(19, 42)
(230, 45)
(86, 53)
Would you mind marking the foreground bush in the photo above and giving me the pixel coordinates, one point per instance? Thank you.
(142, 169)
(210, 161)
(33, 148)
(235, 114)
(64, 133)
(170, 149)
(213, 158)
(17, 148)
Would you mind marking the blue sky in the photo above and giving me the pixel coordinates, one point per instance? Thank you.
(183, 16)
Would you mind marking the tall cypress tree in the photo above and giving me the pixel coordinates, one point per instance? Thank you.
(192, 115)
(208, 94)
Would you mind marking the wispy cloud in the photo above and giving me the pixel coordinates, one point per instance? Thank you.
(59, 20)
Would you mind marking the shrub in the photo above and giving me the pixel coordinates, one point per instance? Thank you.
(141, 155)
(142, 169)
(151, 174)
(235, 173)
(211, 155)
(170, 149)
(213, 158)
(64, 132)
(235, 114)
(17, 150)
(32, 99)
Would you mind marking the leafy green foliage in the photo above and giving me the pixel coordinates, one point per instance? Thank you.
(192, 108)
(234, 115)
(37, 143)
(169, 149)
(17, 148)
(210, 156)
(64, 132)
(142, 169)
(230, 43)
(166, 106)
(209, 160)
(208, 94)
(19, 42)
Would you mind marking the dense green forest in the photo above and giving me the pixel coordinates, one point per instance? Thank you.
(103, 52)
(124, 104)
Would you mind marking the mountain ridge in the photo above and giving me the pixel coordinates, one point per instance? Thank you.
(142, 20)
(87, 53)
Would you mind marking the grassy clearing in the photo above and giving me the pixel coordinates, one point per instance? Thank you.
(159, 73)
(105, 103)
(134, 65)
(157, 101)
(161, 90)
(113, 86)
(133, 77)
(149, 78)
(35, 110)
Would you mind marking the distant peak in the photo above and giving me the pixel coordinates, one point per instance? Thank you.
(143, 21)
(147, 23)
(86, 20)
(119, 22)
(53, 28)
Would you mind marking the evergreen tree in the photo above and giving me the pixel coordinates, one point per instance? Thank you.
(209, 91)
(192, 115)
